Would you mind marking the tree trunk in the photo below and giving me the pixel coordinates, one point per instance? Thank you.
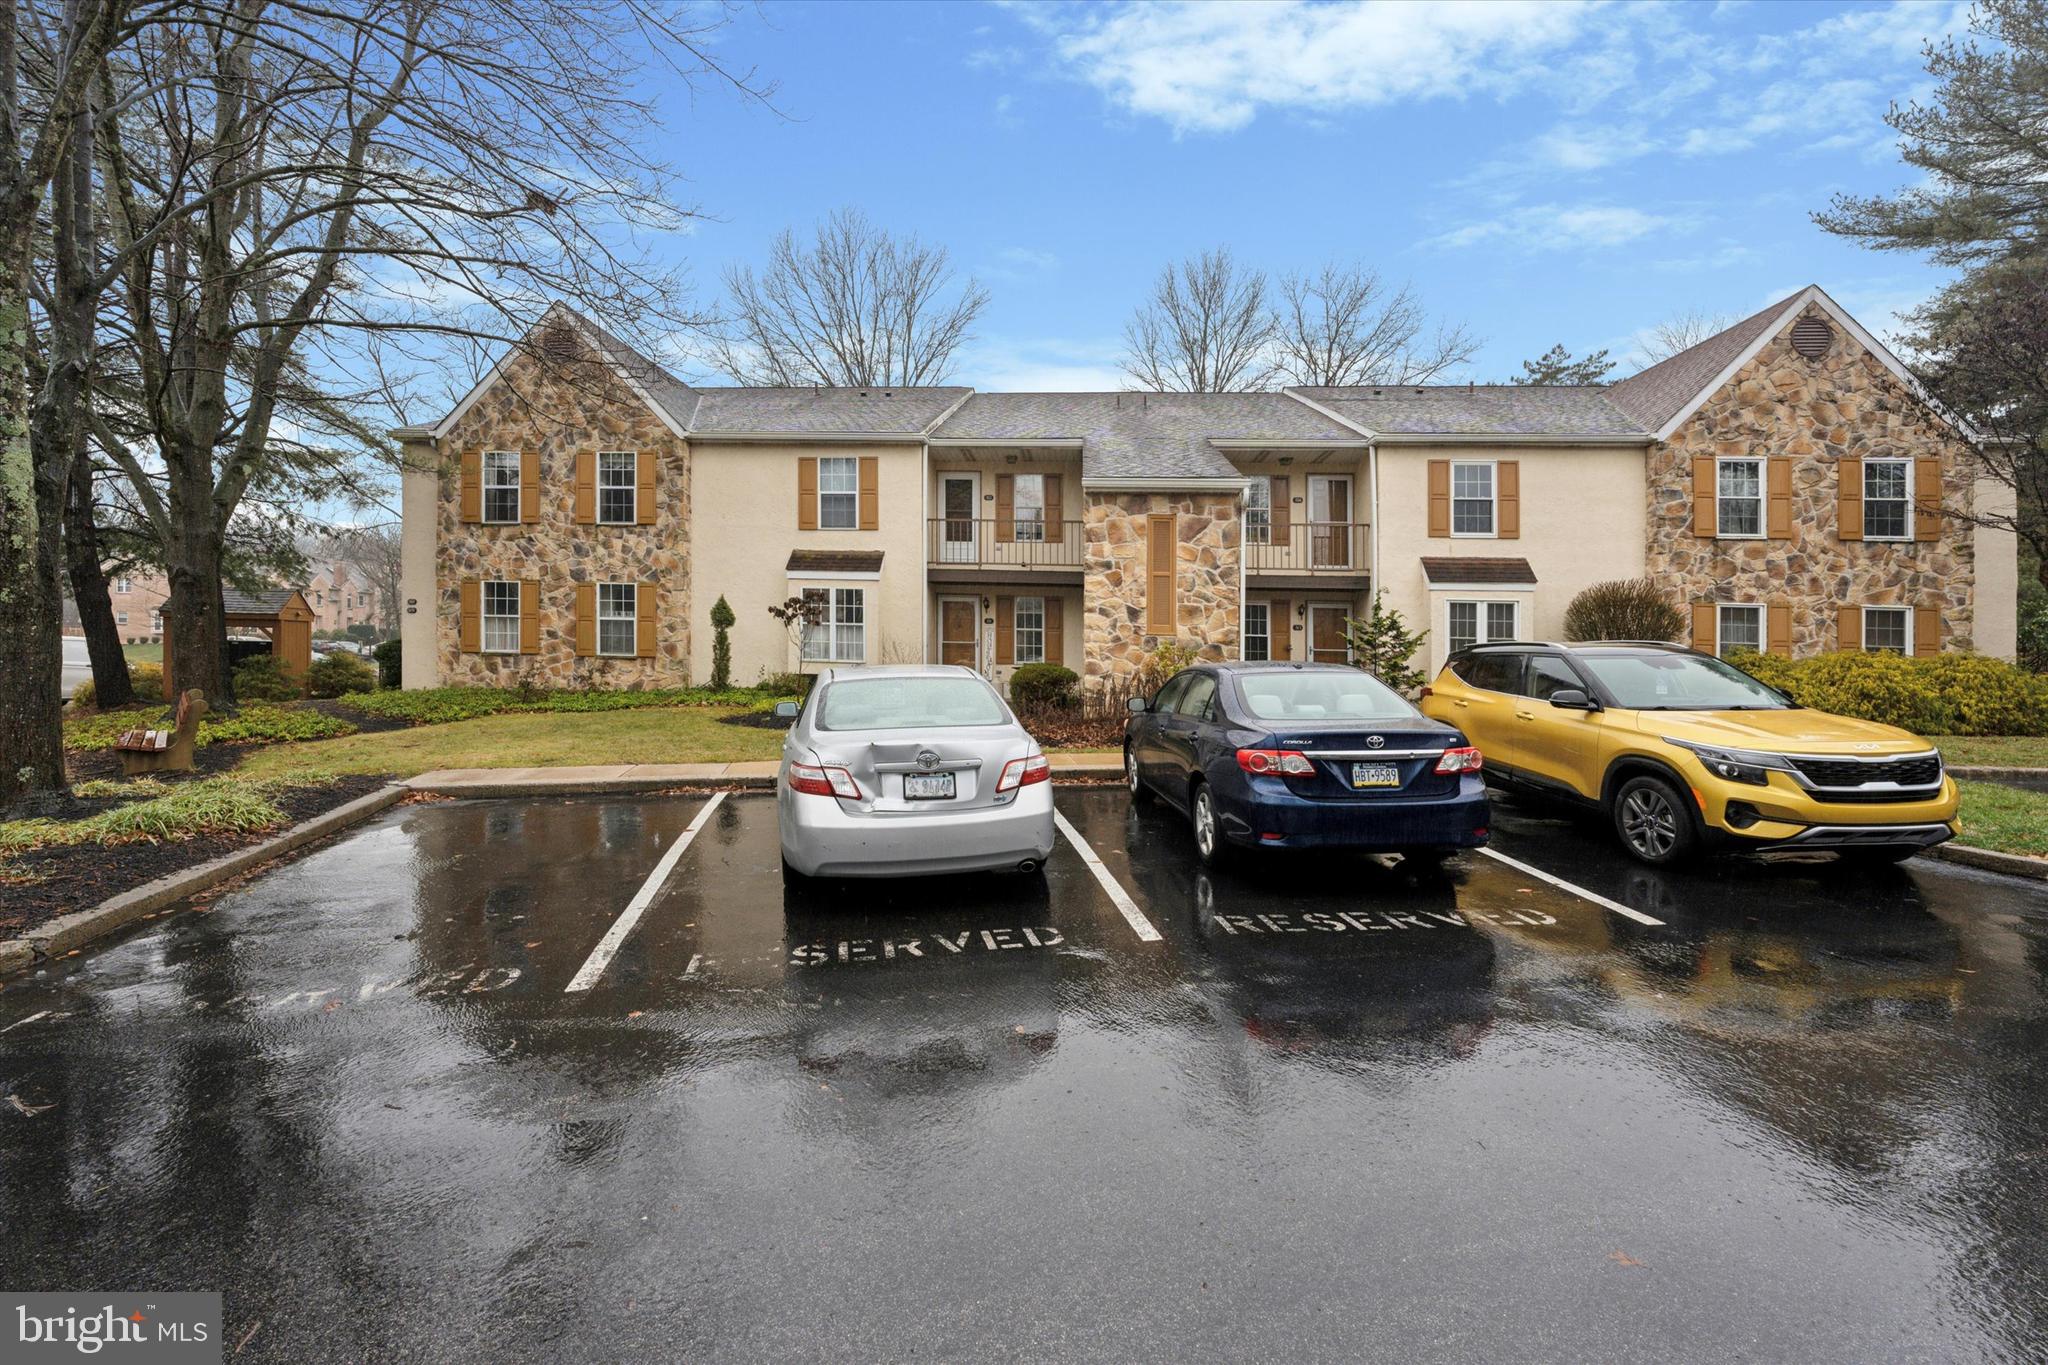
(111, 684)
(31, 616)
(195, 632)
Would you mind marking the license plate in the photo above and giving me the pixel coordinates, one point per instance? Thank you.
(928, 786)
(1375, 775)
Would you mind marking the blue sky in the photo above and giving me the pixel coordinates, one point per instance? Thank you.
(1540, 172)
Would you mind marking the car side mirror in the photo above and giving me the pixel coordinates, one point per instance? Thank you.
(1572, 699)
(787, 710)
(1138, 705)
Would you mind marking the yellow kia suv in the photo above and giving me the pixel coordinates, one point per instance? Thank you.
(1684, 752)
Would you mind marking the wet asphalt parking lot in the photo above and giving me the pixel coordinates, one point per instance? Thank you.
(1330, 1110)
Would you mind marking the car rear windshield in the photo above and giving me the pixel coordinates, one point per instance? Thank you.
(1320, 696)
(900, 703)
(1679, 682)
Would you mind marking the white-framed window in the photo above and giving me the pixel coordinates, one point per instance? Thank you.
(124, 585)
(501, 616)
(156, 621)
(1028, 506)
(1028, 624)
(1258, 628)
(1739, 499)
(1887, 630)
(1468, 623)
(618, 619)
(1472, 498)
(501, 485)
(120, 618)
(1887, 500)
(618, 487)
(1738, 626)
(1258, 512)
(839, 493)
(841, 635)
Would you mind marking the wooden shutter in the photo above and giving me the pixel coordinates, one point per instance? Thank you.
(643, 611)
(1508, 490)
(1279, 630)
(1849, 507)
(1778, 505)
(1926, 500)
(870, 492)
(470, 627)
(1281, 516)
(1055, 512)
(1006, 508)
(1706, 507)
(586, 620)
(1055, 636)
(644, 504)
(1703, 627)
(529, 616)
(1162, 614)
(1439, 497)
(529, 486)
(1006, 630)
(807, 493)
(1926, 631)
(586, 488)
(472, 485)
(1778, 640)
(1849, 624)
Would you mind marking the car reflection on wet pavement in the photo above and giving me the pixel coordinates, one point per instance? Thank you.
(1335, 1110)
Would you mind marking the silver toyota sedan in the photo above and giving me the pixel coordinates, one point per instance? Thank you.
(891, 772)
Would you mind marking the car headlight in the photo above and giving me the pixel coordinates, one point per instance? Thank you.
(1736, 765)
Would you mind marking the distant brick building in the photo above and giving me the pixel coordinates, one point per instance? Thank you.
(340, 597)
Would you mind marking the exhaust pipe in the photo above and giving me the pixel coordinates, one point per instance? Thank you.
(1028, 865)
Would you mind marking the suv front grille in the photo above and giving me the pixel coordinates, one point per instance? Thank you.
(1848, 775)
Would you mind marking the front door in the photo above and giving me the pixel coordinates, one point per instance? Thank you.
(1329, 517)
(1326, 635)
(960, 631)
(960, 505)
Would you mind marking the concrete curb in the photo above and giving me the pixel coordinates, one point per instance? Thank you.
(81, 927)
(469, 782)
(1987, 860)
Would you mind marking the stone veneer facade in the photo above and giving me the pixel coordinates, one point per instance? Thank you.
(560, 410)
(1845, 405)
(1208, 579)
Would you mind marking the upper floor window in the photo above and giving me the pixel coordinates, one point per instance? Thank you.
(618, 487)
(501, 616)
(1029, 510)
(501, 486)
(839, 493)
(123, 585)
(1887, 504)
(1887, 630)
(1739, 627)
(618, 619)
(1258, 512)
(1472, 499)
(1030, 630)
(1739, 498)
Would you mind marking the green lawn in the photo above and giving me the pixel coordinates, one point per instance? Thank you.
(144, 654)
(1994, 751)
(2004, 818)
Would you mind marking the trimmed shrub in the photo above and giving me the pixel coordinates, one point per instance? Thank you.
(1045, 685)
(335, 674)
(787, 684)
(261, 678)
(390, 659)
(440, 705)
(1624, 609)
(1945, 694)
(146, 679)
(722, 620)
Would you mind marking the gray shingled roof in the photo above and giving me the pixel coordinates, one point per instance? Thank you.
(1656, 395)
(909, 412)
(1143, 435)
(268, 602)
(674, 397)
(1479, 409)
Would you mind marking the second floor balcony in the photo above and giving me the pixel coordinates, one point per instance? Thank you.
(1336, 548)
(1017, 543)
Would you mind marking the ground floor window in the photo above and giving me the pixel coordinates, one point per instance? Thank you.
(1469, 623)
(618, 619)
(1740, 627)
(1258, 632)
(501, 618)
(1887, 630)
(1030, 630)
(840, 633)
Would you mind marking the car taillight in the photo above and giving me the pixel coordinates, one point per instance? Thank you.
(1022, 772)
(1275, 763)
(815, 781)
(1465, 760)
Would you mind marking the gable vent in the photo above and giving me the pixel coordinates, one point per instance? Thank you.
(1812, 338)
(558, 343)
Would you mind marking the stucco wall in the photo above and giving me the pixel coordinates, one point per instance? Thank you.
(419, 493)
(1207, 579)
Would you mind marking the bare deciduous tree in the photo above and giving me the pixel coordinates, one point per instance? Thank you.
(1205, 329)
(376, 553)
(1680, 333)
(857, 308)
(1345, 325)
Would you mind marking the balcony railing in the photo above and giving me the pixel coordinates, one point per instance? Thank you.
(986, 543)
(1332, 547)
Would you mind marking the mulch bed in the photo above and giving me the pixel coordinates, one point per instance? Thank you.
(208, 760)
(60, 880)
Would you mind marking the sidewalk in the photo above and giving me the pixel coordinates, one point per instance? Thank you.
(645, 777)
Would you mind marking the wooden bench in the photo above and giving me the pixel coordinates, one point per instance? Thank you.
(164, 751)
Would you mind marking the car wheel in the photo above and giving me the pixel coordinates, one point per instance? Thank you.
(1132, 782)
(1210, 844)
(1653, 822)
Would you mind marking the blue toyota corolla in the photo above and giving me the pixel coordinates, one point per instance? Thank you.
(1304, 756)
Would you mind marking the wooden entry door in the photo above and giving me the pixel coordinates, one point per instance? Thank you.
(959, 631)
(1326, 635)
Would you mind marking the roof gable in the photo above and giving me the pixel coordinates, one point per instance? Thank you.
(667, 397)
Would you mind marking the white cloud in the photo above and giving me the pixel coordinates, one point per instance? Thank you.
(1050, 365)
(1558, 227)
(1021, 262)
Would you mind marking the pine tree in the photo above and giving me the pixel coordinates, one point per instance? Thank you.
(721, 645)
(1383, 645)
(1559, 366)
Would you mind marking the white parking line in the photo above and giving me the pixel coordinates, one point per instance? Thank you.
(608, 946)
(1594, 896)
(1141, 926)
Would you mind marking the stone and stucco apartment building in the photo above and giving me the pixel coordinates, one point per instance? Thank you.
(573, 519)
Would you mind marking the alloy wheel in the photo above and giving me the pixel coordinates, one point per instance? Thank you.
(1649, 823)
(1205, 822)
(1131, 771)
